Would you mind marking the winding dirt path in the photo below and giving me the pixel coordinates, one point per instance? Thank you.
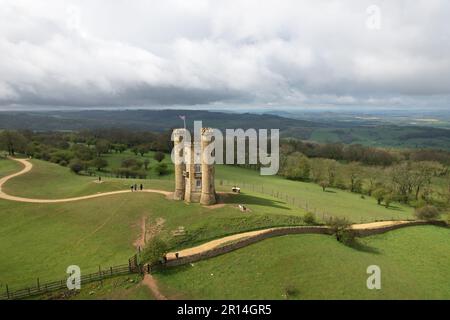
(28, 166)
(151, 283)
(240, 236)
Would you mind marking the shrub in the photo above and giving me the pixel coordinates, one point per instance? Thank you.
(154, 251)
(339, 227)
(159, 156)
(427, 212)
(290, 291)
(324, 184)
(99, 163)
(76, 166)
(309, 218)
(161, 169)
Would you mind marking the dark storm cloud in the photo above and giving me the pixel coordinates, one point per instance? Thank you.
(162, 53)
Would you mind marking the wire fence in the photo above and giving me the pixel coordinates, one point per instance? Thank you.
(321, 213)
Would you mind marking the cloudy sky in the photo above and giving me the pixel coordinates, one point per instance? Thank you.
(224, 53)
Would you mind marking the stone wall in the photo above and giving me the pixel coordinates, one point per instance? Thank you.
(287, 231)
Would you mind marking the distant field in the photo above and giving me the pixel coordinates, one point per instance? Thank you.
(385, 136)
(413, 262)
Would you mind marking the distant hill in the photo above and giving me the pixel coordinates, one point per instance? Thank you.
(160, 120)
(153, 120)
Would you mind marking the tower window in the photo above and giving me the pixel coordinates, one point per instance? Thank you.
(198, 168)
(198, 183)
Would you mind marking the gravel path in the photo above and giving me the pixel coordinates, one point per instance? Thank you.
(28, 166)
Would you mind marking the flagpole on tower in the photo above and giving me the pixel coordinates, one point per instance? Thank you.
(184, 120)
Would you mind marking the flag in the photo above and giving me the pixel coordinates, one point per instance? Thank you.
(182, 117)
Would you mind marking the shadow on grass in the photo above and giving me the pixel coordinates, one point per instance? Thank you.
(250, 199)
(395, 208)
(362, 247)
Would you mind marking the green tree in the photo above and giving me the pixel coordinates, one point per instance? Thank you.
(324, 184)
(297, 167)
(159, 156)
(354, 175)
(154, 251)
(309, 218)
(146, 163)
(161, 169)
(12, 141)
(379, 194)
(102, 146)
(99, 163)
(143, 149)
(83, 152)
(76, 166)
(340, 227)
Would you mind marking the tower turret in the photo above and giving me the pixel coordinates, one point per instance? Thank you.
(208, 195)
(179, 146)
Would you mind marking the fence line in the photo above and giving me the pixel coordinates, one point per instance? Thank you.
(133, 266)
(297, 202)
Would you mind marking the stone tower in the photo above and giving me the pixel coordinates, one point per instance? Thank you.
(208, 195)
(178, 135)
(192, 174)
(194, 179)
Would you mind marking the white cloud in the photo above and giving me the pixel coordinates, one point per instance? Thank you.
(285, 52)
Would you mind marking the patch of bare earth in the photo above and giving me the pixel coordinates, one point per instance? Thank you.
(221, 200)
(150, 282)
(148, 231)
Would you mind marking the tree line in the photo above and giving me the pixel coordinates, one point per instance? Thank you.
(82, 151)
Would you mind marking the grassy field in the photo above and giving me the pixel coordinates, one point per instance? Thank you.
(51, 181)
(41, 240)
(333, 202)
(413, 262)
(7, 167)
(126, 287)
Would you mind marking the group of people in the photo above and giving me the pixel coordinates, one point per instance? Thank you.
(134, 187)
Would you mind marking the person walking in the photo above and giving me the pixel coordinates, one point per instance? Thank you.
(141, 186)
(131, 188)
(135, 187)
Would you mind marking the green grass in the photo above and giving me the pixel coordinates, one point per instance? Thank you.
(51, 181)
(41, 240)
(126, 287)
(7, 167)
(334, 202)
(413, 262)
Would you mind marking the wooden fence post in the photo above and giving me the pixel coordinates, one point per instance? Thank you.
(38, 285)
(7, 291)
